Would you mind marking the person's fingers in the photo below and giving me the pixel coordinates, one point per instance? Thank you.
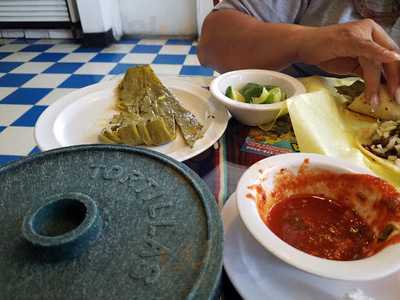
(372, 77)
(372, 51)
(380, 36)
(391, 72)
(347, 40)
(397, 95)
(368, 39)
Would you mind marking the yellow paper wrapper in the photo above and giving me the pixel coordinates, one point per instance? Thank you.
(323, 125)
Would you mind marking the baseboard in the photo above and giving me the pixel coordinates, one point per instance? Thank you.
(98, 39)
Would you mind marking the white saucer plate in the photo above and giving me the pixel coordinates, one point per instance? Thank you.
(79, 117)
(258, 274)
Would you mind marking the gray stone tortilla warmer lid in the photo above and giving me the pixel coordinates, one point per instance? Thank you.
(107, 222)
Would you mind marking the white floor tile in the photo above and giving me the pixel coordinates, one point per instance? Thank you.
(118, 48)
(96, 68)
(138, 58)
(21, 56)
(109, 77)
(191, 60)
(17, 141)
(166, 69)
(152, 42)
(54, 95)
(4, 92)
(63, 48)
(175, 49)
(78, 57)
(12, 47)
(10, 113)
(32, 67)
(46, 81)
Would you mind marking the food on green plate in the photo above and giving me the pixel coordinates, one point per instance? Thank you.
(384, 144)
(255, 93)
(148, 113)
(388, 108)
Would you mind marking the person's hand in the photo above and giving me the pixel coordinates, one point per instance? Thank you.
(362, 48)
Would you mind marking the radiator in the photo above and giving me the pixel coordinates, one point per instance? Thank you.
(37, 11)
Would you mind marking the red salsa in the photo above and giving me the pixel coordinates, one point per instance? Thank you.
(321, 227)
(357, 216)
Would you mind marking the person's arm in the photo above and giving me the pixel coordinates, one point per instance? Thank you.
(233, 40)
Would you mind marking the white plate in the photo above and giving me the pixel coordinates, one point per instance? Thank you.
(78, 117)
(257, 274)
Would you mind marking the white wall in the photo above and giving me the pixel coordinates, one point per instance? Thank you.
(92, 18)
(100, 16)
(158, 16)
(203, 8)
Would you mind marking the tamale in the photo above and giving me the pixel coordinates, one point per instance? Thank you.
(148, 113)
(190, 127)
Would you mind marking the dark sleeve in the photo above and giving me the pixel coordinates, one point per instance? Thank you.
(275, 11)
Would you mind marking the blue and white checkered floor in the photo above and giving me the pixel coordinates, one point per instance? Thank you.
(35, 73)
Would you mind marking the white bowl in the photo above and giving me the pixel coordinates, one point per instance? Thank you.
(379, 265)
(254, 114)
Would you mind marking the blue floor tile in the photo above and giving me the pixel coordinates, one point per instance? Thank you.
(25, 96)
(196, 71)
(79, 81)
(89, 49)
(179, 42)
(193, 50)
(49, 57)
(8, 158)
(108, 57)
(6, 66)
(121, 68)
(29, 118)
(128, 41)
(146, 49)
(2, 128)
(4, 54)
(37, 48)
(169, 59)
(15, 80)
(63, 68)
(35, 150)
